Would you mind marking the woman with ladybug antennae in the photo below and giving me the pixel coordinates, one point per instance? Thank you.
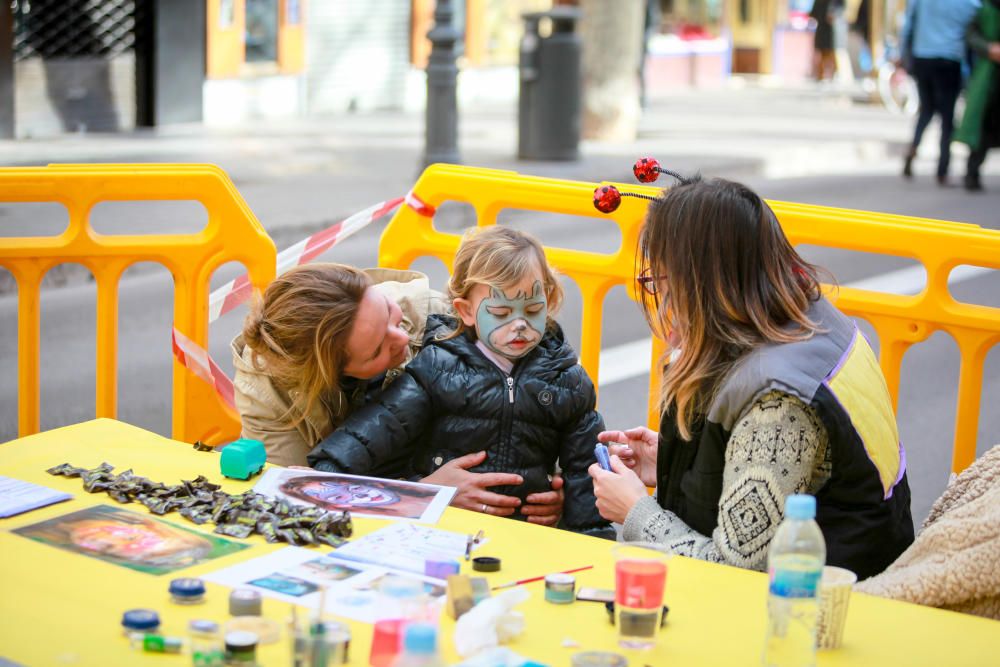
(768, 390)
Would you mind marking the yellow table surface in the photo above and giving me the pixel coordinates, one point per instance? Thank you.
(59, 608)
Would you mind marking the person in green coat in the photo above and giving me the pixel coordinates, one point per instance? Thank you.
(980, 127)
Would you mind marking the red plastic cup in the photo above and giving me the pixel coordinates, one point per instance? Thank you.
(640, 578)
(387, 640)
(640, 583)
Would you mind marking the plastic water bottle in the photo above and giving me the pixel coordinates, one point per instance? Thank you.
(795, 562)
(419, 647)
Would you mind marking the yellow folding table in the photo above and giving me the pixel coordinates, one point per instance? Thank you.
(60, 608)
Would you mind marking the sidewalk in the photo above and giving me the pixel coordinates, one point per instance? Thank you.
(302, 175)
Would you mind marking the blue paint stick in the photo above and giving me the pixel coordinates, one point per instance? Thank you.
(601, 452)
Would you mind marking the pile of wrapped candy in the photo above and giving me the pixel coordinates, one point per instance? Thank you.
(201, 501)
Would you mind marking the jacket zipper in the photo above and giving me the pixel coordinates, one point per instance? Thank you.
(510, 388)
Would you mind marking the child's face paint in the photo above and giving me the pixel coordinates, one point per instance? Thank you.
(349, 495)
(512, 323)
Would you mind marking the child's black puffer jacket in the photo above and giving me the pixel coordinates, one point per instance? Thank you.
(453, 401)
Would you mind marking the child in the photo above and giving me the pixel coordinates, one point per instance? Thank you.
(499, 378)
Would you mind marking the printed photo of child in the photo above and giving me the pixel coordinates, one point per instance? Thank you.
(285, 584)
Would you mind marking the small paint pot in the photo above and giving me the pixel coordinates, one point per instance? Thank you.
(560, 588)
(187, 591)
(598, 659)
(486, 564)
(241, 648)
(140, 620)
(244, 602)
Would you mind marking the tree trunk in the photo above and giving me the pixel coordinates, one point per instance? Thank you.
(612, 33)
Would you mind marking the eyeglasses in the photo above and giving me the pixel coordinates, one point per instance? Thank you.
(648, 281)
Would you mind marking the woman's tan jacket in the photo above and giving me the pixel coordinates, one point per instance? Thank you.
(265, 409)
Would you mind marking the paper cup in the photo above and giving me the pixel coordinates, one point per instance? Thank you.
(834, 595)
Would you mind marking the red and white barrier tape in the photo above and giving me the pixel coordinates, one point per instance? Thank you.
(235, 292)
(196, 359)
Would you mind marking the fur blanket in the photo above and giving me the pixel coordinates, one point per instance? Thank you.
(954, 563)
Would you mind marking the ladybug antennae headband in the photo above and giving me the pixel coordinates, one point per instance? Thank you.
(607, 198)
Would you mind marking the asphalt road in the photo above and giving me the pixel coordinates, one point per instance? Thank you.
(930, 371)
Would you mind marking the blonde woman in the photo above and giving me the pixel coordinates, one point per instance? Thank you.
(769, 391)
(323, 340)
(498, 377)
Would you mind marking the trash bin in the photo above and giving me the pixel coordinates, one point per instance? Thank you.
(549, 101)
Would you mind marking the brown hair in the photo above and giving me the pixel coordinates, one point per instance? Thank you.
(733, 282)
(300, 328)
(501, 257)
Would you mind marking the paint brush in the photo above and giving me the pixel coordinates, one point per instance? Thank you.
(511, 584)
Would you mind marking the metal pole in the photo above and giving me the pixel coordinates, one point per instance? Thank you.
(441, 129)
(6, 70)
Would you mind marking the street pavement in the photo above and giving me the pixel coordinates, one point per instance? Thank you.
(790, 144)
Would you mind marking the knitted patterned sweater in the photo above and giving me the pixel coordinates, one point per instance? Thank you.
(779, 442)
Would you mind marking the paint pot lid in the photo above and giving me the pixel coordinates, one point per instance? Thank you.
(486, 564)
(187, 587)
(241, 640)
(203, 625)
(560, 579)
(140, 619)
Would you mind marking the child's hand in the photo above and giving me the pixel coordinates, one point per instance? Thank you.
(617, 491)
(472, 493)
(637, 448)
(545, 508)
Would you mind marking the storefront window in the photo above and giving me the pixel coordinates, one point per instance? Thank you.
(262, 31)
(692, 19)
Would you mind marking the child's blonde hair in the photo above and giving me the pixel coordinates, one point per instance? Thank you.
(501, 257)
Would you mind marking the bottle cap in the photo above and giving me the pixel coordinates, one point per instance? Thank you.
(244, 602)
(486, 564)
(420, 638)
(187, 588)
(800, 506)
(201, 625)
(140, 619)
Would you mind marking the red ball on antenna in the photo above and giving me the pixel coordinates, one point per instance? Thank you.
(607, 198)
(646, 169)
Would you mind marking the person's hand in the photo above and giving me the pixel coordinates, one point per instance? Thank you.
(617, 491)
(993, 52)
(545, 508)
(637, 448)
(472, 493)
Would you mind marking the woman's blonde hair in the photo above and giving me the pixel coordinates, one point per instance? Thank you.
(733, 282)
(501, 257)
(300, 326)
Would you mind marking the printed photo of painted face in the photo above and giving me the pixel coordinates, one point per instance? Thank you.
(340, 494)
(510, 322)
(364, 496)
(132, 540)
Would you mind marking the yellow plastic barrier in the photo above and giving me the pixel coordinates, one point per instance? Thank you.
(232, 234)
(900, 321)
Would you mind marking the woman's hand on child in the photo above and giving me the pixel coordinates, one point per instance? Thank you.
(545, 508)
(472, 493)
(637, 448)
(617, 490)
